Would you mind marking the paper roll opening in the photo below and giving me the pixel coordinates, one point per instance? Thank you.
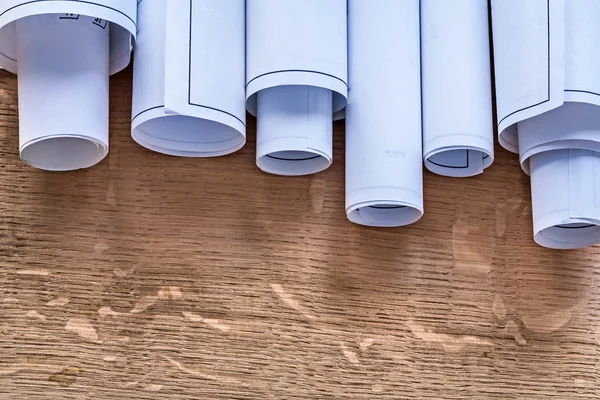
(184, 136)
(63, 153)
(569, 236)
(384, 214)
(459, 162)
(63, 73)
(294, 130)
(293, 163)
(563, 187)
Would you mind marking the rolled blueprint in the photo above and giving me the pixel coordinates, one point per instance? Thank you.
(296, 78)
(189, 75)
(565, 183)
(458, 133)
(548, 110)
(64, 52)
(567, 213)
(384, 167)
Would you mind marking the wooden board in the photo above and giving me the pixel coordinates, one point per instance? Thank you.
(150, 276)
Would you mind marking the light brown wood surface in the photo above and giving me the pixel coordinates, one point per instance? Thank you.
(151, 277)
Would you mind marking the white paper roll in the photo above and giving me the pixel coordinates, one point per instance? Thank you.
(384, 166)
(189, 75)
(296, 44)
(64, 52)
(532, 32)
(565, 198)
(565, 175)
(548, 105)
(458, 135)
(297, 119)
(63, 91)
(556, 43)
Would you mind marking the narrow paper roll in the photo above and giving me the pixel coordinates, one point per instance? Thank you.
(458, 135)
(64, 52)
(189, 73)
(299, 120)
(384, 167)
(566, 206)
(296, 50)
(63, 91)
(565, 175)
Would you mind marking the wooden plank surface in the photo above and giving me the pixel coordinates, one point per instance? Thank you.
(151, 277)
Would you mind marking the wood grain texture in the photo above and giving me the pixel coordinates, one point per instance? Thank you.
(150, 277)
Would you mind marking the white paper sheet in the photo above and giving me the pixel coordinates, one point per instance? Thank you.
(458, 135)
(64, 52)
(548, 97)
(289, 44)
(384, 167)
(189, 77)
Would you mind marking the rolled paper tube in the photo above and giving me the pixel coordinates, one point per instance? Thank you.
(294, 130)
(64, 52)
(564, 193)
(555, 43)
(532, 32)
(565, 175)
(188, 80)
(384, 158)
(458, 135)
(63, 73)
(294, 80)
(574, 124)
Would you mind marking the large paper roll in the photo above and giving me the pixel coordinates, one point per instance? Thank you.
(384, 167)
(64, 52)
(549, 110)
(295, 48)
(189, 75)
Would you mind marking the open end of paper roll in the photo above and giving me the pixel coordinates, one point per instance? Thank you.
(460, 163)
(63, 153)
(294, 129)
(384, 214)
(569, 236)
(563, 188)
(183, 136)
(63, 68)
